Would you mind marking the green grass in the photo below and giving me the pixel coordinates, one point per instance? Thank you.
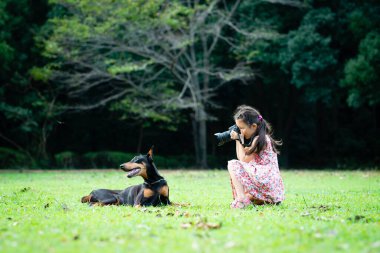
(323, 212)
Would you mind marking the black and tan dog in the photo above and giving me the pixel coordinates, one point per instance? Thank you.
(153, 192)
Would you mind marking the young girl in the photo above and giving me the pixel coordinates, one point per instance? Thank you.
(255, 176)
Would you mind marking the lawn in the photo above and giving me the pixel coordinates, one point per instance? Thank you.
(324, 211)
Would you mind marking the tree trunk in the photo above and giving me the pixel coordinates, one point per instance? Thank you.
(43, 139)
(203, 143)
(196, 141)
(200, 138)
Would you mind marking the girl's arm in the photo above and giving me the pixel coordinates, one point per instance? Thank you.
(246, 150)
(249, 150)
(241, 153)
(240, 150)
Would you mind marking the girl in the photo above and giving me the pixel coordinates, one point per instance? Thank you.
(255, 176)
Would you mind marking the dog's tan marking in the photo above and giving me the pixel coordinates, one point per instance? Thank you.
(86, 199)
(98, 204)
(143, 171)
(148, 193)
(164, 191)
(150, 152)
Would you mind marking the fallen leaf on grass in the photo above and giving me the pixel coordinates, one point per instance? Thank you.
(180, 204)
(208, 225)
(179, 214)
(201, 225)
(145, 210)
(325, 208)
(323, 218)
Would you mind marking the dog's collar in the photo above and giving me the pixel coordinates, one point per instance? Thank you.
(155, 182)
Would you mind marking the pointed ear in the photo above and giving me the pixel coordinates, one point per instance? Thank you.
(150, 152)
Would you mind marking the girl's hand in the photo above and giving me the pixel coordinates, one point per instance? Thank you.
(234, 135)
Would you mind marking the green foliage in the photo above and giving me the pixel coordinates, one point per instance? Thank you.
(106, 28)
(25, 106)
(362, 18)
(40, 74)
(309, 57)
(146, 113)
(7, 52)
(128, 67)
(174, 162)
(105, 159)
(326, 52)
(66, 160)
(112, 159)
(12, 159)
(42, 211)
(362, 74)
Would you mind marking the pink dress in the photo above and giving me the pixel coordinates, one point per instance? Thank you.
(261, 176)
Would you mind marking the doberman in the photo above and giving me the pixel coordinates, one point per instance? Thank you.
(153, 192)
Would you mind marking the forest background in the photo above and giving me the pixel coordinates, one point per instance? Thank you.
(89, 84)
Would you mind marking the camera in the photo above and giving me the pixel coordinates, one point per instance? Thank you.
(225, 137)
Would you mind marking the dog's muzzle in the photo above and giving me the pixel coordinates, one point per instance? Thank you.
(131, 172)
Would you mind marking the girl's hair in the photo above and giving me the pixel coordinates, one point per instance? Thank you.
(250, 115)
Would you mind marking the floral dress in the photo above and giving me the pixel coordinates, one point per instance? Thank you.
(261, 176)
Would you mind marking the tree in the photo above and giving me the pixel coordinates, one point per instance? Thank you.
(26, 106)
(159, 55)
(361, 72)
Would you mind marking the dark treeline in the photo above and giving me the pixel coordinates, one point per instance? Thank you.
(316, 79)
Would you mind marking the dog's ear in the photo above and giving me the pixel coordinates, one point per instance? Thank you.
(150, 153)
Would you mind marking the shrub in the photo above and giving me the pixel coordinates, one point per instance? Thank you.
(112, 159)
(10, 159)
(66, 159)
(173, 162)
(105, 159)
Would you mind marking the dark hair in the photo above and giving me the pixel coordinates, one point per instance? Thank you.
(250, 115)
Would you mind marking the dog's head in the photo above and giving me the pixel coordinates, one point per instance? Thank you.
(142, 165)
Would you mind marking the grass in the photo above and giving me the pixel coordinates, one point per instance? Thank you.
(323, 212)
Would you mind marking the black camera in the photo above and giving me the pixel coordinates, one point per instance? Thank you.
(225, 137)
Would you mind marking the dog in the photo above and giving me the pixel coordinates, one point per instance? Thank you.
(153, 192)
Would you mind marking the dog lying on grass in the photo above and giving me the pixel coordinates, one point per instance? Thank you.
(153, 192)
